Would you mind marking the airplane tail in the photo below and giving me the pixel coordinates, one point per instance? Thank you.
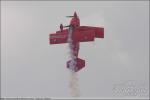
(76, 65)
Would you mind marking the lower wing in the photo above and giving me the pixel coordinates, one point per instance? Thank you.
(58, 38)
(98, 31)
(84, 36)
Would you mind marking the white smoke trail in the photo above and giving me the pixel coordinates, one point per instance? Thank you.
(74, 87)
(72, 64)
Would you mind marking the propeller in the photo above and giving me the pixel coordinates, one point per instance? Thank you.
(75, 15)
(69, 16)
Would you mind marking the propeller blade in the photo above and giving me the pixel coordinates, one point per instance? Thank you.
(69, 16)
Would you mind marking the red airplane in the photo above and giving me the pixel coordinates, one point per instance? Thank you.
(78, 34)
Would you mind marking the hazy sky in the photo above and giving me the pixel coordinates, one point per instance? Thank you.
(33, 68)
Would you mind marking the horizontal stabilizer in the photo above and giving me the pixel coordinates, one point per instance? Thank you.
(79, 64)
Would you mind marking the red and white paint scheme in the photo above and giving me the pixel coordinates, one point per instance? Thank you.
(78, 34)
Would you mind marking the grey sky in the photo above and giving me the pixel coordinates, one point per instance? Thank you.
(33, 68)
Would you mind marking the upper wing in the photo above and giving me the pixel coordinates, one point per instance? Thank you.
(98, 31)
(84, 35)
(58, 37)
